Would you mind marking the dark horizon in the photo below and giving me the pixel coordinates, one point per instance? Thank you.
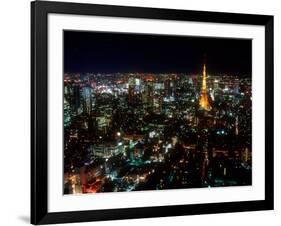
(104, 52)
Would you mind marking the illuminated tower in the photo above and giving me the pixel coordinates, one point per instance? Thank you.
(204, 101)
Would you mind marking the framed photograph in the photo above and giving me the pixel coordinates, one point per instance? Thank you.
(145, 112)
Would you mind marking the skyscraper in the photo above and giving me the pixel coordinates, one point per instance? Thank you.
(87, 99)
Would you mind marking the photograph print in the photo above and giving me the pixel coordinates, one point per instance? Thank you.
(155, 112)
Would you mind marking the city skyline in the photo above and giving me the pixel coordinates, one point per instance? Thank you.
(142, 131)
(106, 52)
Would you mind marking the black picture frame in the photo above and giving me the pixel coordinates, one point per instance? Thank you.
(39, 112)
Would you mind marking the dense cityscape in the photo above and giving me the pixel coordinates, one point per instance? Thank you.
(153, 131)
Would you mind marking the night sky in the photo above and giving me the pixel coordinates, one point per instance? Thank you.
(102, 52)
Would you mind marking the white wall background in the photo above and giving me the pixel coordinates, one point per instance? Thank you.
(15, 113)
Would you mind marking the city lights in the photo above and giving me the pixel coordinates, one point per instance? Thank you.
(153, 112)
(156, 131)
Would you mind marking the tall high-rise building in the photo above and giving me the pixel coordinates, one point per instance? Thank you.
(67, 113)
(147, 95)
(87, 99)
(169, 87)
(236, 126)
(131, 89)
(204, 99)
